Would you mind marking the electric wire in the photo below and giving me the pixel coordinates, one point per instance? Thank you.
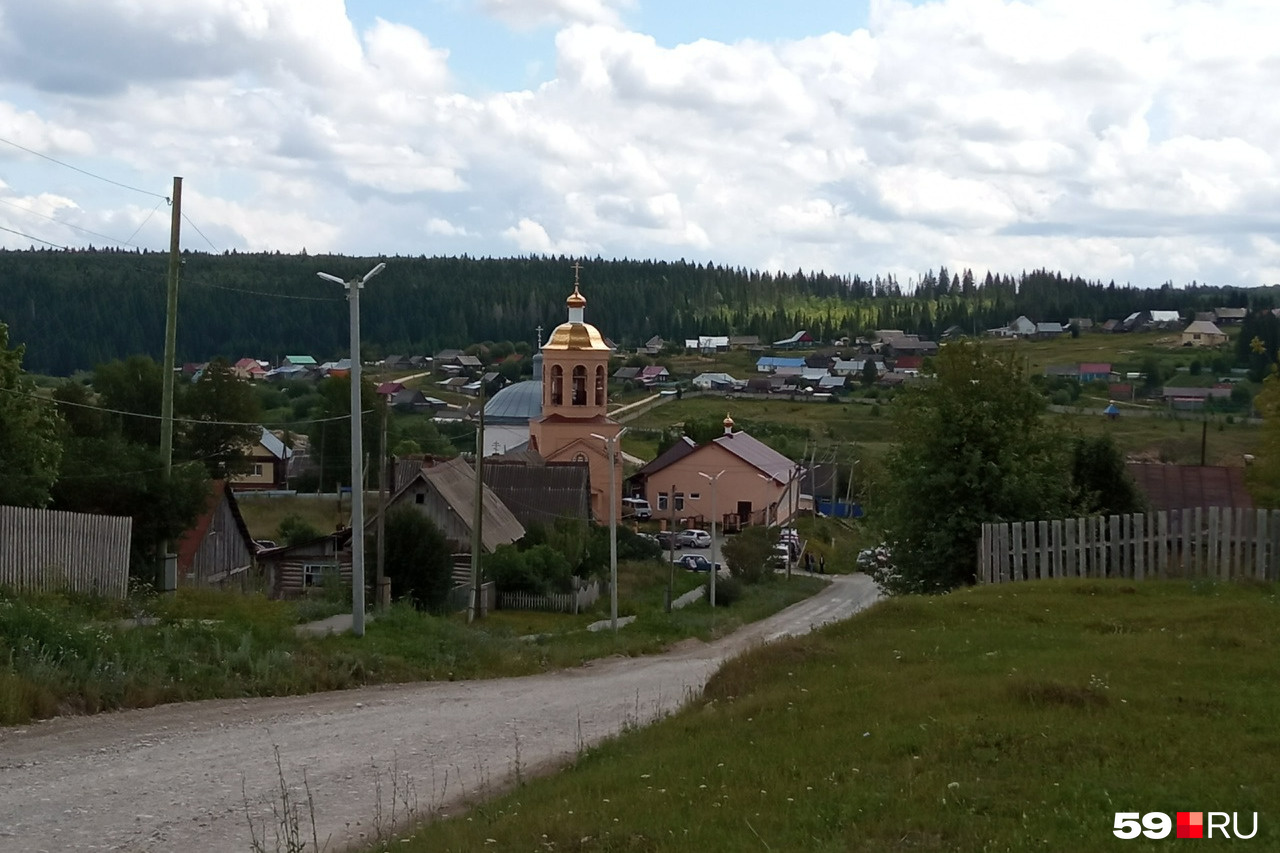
(201, 233)
(144, 222)
(81, 171)
(37, 239)
(177, 420)
(70, 225)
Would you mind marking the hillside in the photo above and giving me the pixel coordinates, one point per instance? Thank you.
(75, 309)
(997, 718)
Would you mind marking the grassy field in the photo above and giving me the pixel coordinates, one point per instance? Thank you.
(1011, 718)
(855, 429)
(262, 515)
(73, 654)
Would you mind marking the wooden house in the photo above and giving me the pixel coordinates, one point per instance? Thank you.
(291, 570)
(445, 493)
(217, 550)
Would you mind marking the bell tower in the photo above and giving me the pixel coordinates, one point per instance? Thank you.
(575, 400)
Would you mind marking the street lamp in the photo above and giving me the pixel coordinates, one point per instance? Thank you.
(357, 450)
(714, 550)
(612, 445)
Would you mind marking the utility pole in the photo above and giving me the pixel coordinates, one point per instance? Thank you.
(715, 551)
(382, 587)
(611, 444)
(477, 519)
(169, 572)
(671, 563)
(354, 287)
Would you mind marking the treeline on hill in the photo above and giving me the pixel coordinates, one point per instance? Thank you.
(77, 309)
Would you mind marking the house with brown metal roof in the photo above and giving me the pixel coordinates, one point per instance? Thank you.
(759, 485)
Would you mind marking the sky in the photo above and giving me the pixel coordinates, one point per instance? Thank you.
(1133, 141)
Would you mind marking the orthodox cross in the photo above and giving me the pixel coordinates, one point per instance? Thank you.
(577, 268)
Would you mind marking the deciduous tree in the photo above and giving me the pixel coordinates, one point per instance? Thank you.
(30, 448)
(973, 448)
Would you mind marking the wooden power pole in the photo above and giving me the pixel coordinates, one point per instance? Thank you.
(169, 571)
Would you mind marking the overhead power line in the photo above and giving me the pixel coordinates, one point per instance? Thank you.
(37, 239)
(82, 171)
(76, 227)
(201, 421)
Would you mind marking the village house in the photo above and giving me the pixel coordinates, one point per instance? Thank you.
(218, 550)
(771, 364)
(267, 466)
(1202, 333)
(759, 485)
(445, 493)
(292, 570)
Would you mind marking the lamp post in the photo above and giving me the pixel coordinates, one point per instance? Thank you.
(714, 548)
(612, 445)
(357, 450)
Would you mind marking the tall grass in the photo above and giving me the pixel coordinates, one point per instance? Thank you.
(994, 719)
(65, 654)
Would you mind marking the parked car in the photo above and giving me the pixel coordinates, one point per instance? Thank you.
(781, 555)
(696, 563)
(666, 539)
(639, 507)
(693, 539)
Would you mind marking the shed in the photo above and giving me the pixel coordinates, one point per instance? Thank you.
(445, 493)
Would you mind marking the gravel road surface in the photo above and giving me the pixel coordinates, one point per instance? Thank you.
(178, 777)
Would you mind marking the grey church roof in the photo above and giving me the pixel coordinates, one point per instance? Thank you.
(515, 404)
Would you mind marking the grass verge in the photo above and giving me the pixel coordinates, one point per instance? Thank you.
(68, 654)
(1006, 718)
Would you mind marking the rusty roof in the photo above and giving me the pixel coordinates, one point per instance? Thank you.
(1170, 487)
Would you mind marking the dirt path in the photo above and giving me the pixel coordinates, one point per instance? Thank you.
(171, 778)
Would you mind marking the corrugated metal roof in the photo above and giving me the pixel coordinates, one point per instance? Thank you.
(1170, 487)
(674, 453)
(757, 454)
(541, 493)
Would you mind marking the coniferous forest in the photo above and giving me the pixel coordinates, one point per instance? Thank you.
(76, 309)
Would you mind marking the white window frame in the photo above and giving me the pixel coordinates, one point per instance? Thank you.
(313, 573)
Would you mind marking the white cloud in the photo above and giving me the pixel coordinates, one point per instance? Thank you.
(528, 14)
(1129, 140)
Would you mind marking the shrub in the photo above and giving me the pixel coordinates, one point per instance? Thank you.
(748, 554)
(294, 529)
(541, 569)
(728, 590)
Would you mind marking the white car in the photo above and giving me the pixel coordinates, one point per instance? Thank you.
(693, 539)
(639, 507)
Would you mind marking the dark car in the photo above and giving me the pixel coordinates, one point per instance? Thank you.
(696, 563)
(666, 539)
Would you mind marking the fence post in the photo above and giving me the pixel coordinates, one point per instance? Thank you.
(1042, 561)
(1137, 527)
(1015, 532)
(1162, 543)
(1003, 539)
(1069, 555)
(1273, 556)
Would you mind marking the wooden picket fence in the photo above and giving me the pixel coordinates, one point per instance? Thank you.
(46, 550)
(567, 602)
(1205, 542)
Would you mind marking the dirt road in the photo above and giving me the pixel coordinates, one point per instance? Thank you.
(176, 778)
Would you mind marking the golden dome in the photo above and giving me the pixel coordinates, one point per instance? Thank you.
(576, 299)
(576, 336)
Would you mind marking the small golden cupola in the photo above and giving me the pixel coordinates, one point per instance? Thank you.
(577, 334)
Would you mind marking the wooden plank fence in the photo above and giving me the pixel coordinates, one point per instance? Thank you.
(567, 602)
(1205, 542)
(46, 550)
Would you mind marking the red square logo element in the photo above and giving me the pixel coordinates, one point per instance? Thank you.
(1191, 824)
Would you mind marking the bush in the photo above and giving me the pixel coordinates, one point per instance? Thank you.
(294, 530)
(748, 554)
(540, 570)
(728, 590)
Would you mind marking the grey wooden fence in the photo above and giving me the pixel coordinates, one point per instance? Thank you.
(1212, 542)
(46, 550)
(567, 602)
